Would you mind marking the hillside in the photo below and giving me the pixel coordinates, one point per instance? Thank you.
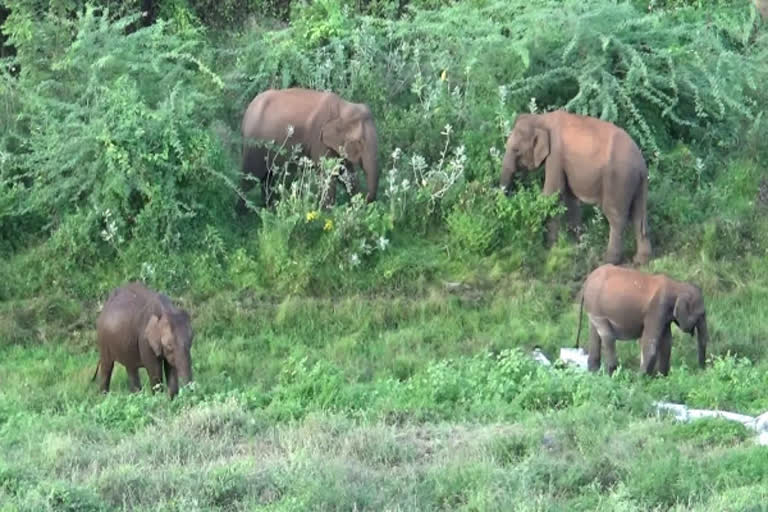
(373, 356)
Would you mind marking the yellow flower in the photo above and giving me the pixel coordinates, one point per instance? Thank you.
(328, 225)
(442, 76)
(311, 216)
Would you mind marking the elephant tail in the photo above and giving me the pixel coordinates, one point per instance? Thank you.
(641, 206)
(96, 372)
(581, 310)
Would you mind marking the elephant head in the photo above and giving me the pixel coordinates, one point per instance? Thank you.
(527, 147)
(689, 313)
(170, 337)
(353, 134)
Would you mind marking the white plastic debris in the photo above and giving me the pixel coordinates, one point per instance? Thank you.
(574, 356)
(540, 358)
(682, 413)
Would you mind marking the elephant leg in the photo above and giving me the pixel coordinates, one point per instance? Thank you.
(643, 251)
(154, 368)
(330, 195)
(593, 360)
(107, 365)
(649, 355)
(611, 361)
(171, 378)
(351, 176)
(133, 377)
(615, 238)
(665, 352)
(553, 229)
(573, 206)
(246, 184)
(254, 167)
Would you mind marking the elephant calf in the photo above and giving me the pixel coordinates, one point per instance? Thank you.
(624, 303)
(141, 328)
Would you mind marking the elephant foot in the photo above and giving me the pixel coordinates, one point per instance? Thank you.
(642, 256)
(641, 259)
(613, 258)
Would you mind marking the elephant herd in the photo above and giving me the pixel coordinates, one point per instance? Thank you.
(585, 160)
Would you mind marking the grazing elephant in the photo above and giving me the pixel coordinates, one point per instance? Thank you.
(323, 124)
(139, 327)
(624, 303)
(589, 160)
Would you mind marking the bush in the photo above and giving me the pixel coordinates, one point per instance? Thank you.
(484, 220)
(111, 144)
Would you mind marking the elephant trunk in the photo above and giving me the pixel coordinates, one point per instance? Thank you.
(702, 337)
(184, 370)
(508, 171)
(371, 164)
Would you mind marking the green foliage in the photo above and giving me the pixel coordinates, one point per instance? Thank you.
(320, 22)
(646, 72)
(111, 145)
(484, 220)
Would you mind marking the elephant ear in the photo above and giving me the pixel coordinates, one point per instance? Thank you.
(338, 133)
(540, 146)
(682, 310)
(154, 334)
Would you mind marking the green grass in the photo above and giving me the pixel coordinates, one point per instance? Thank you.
(425, 400)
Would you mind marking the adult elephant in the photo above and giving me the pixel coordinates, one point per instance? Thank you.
(139, 327)
(625, 303)
(586, 159)
(322, 123)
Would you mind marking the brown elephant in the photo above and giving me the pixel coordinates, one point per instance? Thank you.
(142, 328)
(586, 159)
(625, 303)
(323, 124)
(762, 8)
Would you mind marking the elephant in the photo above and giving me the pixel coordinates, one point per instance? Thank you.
(323, 124)
(586, 159)
(139, 327)
(625, 303)
(762, 8)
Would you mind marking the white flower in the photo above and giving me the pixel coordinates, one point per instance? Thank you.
(396, 154)
(289, 131)
(354, 260)
(382, 243)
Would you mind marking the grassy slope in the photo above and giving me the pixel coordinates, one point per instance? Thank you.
(398, 396)
(383, 420)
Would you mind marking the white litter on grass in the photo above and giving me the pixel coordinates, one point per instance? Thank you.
(574, 356)
(539, 357)
(578, 357)
(682, 413)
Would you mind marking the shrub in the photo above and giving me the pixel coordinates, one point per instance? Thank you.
(111, 144)
(646, 73)
(484, 219)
